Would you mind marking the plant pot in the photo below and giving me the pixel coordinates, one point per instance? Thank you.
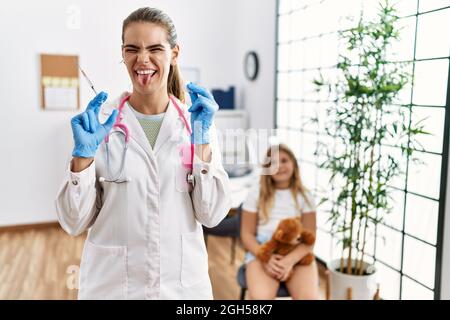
(362, 287)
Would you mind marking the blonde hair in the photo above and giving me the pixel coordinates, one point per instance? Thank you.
(153, 15)
(267, 185)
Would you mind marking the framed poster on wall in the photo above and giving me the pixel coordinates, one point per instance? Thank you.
(59, 82)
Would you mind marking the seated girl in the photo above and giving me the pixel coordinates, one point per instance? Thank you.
(278, 196)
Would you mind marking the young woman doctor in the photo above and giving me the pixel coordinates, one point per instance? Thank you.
(127, 181)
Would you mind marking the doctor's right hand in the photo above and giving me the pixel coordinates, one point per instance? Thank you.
(87, 131)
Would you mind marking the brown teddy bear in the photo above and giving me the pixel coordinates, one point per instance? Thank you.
(287, 236)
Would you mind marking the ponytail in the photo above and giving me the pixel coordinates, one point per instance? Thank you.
(175, 83)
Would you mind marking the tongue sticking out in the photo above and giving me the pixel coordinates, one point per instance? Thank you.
(143, 79)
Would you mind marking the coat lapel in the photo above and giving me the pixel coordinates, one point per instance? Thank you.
(171, 128)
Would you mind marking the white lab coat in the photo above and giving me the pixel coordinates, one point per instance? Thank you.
(145, 239)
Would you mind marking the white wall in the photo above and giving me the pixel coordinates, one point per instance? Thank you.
(256, 31)
(214, 35)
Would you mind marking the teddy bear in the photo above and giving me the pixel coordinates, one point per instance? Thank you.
(287, 236)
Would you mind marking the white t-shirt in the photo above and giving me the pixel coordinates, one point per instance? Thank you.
(283, 207)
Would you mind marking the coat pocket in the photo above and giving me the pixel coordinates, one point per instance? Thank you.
(194, 259)
(103, 272)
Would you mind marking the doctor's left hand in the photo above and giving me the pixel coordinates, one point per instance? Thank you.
(202, 111)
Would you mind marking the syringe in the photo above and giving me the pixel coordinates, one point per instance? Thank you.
(89, 81)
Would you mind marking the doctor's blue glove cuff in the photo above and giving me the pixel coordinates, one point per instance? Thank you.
(81, 152)
(200, 133)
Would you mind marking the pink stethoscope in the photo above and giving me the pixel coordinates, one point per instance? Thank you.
(186, 152)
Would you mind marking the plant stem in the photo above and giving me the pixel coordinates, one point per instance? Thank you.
(372, 153)
(341, 268)
(360, 218)
(354, 208)
(360, 264)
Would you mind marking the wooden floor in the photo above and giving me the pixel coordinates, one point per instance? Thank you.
(42, 263)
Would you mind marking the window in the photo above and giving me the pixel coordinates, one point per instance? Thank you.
(408, 244)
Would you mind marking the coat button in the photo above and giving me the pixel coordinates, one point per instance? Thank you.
(204, 171)
(74, 182)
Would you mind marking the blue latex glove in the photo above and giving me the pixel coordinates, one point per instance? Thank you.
(202, 113)
(87, 131)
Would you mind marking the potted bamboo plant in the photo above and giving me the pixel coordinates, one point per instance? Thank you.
(361, 120)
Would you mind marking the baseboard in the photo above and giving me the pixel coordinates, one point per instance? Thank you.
(23, 227)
